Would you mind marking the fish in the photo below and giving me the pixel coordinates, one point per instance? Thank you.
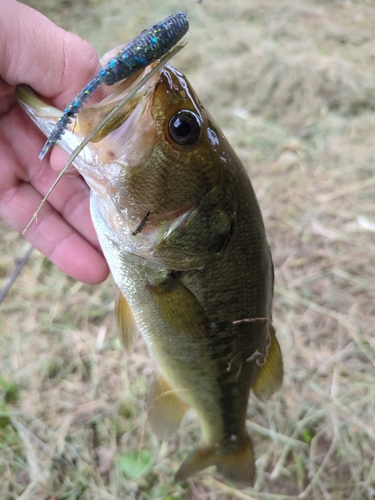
(182, 231)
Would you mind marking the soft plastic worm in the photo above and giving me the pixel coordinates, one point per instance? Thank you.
(147, 47)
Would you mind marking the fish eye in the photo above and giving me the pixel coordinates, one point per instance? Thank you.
(184, 128)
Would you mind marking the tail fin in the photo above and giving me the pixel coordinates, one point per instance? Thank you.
(235, 461)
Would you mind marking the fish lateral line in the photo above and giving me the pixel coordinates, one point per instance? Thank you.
(151, 44)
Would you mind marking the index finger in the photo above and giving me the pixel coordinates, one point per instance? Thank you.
(34, 51)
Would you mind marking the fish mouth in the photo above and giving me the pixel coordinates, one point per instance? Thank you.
(90, 117)
(45, 115)
(129, 136)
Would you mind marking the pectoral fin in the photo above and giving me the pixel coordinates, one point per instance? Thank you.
(179, 308)
(126, 325)
(166, 409)
(270, 377)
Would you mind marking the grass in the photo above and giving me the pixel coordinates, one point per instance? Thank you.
(291, 85)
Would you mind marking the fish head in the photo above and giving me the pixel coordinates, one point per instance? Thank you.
(159, 170)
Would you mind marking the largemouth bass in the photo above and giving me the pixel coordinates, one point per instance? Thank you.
(181, 229)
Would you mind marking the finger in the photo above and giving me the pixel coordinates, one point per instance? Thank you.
(70, 244)
(52, 236)
(5, 88)
(57, 64)
(71, 195)
(58, 160)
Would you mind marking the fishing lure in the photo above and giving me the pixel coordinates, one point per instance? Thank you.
(147, 47)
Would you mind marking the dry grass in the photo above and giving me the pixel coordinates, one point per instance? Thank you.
(293, 88)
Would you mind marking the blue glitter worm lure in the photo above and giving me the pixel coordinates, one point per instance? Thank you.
(147, 47)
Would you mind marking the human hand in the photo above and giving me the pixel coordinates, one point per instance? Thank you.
(57, 65)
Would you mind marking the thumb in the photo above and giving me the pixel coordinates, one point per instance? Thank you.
(34, 51)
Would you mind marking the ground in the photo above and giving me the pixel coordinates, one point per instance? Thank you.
(293, 88)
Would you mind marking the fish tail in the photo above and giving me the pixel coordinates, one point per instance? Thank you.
(239, 464)
(235, 461)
